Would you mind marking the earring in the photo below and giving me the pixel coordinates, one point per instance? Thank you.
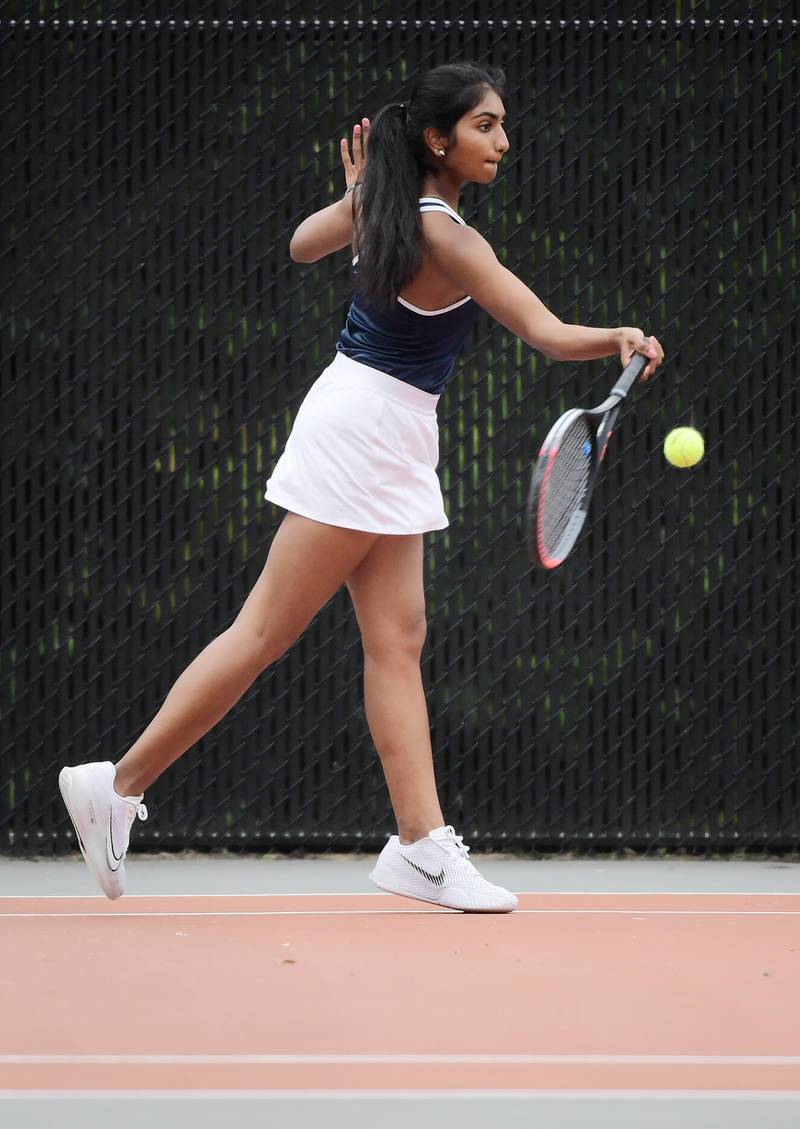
(440, 152)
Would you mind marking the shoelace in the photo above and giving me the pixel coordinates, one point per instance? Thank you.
(131, 813)
(460, 851)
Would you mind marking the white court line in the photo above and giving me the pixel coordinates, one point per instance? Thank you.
(396, 1060)
(377, 894)
(638, 913)
(383, 1095)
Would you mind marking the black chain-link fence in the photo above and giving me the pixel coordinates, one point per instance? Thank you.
(156, 341)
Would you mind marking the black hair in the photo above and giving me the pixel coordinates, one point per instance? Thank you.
(388, 229)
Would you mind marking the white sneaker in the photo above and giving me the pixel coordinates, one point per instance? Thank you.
(437, 869)
(102, 821)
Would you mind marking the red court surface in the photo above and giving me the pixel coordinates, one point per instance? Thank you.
(364, 992)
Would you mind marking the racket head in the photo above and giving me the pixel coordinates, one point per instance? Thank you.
(561, 486)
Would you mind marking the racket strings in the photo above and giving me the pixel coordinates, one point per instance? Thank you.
(567, 482)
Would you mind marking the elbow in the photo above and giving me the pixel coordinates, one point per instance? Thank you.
(297, 254)
(300, 248)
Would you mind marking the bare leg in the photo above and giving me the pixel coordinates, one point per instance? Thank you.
(307, 563)
(388, 596)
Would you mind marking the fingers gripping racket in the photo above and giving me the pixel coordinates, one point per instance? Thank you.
(566, 471)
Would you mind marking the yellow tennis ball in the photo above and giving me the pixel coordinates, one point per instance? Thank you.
(684, 447)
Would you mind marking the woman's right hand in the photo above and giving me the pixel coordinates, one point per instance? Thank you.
(632, 341)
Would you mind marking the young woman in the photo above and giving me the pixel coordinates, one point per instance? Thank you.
(358, 476)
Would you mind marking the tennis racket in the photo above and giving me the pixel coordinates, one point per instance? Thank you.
(566, 471)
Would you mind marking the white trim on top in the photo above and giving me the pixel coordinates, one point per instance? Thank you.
(435, 204)
(427, 313)
(433, 313)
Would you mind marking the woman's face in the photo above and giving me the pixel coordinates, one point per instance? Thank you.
(478, 143)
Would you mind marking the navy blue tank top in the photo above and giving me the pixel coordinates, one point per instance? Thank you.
(414, 345)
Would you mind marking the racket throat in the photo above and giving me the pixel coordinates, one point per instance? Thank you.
(604, 440)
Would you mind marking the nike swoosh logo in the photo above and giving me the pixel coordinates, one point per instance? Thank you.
(110, 852)
(436, 879)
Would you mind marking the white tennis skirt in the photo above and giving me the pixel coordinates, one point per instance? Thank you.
(362, 454)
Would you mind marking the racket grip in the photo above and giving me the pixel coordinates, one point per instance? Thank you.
(629, 375)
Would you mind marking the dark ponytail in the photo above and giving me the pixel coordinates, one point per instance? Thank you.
(388, 228)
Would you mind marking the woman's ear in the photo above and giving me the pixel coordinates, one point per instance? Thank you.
(434, 140)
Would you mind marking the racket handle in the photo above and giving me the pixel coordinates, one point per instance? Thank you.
(629, 374)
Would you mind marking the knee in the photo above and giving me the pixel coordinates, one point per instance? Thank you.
(262, 646)
(396, 638)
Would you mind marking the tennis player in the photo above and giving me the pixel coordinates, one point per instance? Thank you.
(358, 475)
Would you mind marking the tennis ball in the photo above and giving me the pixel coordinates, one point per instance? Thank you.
(684, 447)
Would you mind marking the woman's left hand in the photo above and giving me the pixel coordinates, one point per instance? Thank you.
(353, 167)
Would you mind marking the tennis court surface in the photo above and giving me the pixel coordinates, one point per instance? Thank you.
(619, 993)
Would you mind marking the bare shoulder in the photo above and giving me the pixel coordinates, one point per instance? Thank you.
(459, 251)
(445, 236)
